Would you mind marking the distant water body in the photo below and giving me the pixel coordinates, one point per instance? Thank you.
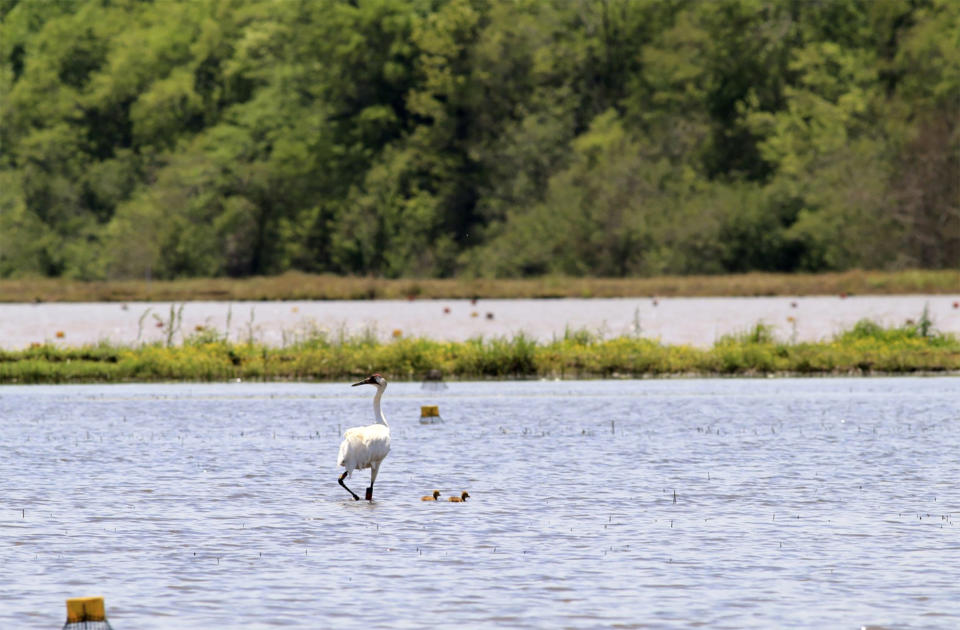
(693, 321)
(723, 503)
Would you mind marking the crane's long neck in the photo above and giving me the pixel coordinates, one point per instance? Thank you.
(378, 416)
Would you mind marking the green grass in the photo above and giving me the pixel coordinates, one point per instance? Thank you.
(867, 348)
(299, 286)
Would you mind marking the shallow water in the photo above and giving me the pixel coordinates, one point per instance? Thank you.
(695, 321)
(822, 503)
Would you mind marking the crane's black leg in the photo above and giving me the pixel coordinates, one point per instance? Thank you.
(373, 477)
(340, 481)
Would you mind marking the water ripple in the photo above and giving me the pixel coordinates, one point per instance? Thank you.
(641, 504)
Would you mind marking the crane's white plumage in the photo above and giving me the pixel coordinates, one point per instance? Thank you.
(365, 447)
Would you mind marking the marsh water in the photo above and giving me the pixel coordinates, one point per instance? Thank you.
(695, 321)
(768, 503)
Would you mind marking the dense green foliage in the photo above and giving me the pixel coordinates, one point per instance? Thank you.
(208, 356)
(424, 138)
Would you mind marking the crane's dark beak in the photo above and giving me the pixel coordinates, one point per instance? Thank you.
(366, 381)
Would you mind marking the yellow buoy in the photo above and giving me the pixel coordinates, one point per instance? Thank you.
(430, 414)
(86, 610)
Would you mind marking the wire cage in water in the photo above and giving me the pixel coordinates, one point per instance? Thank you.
(433, 381)
(86, 613)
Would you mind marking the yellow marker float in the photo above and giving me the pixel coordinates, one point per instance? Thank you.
(430, 414)
(86, 612)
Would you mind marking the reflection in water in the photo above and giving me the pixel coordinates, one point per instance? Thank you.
(719, 503)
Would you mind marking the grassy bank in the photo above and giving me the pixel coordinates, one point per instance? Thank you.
(297, 286)
(865, 349)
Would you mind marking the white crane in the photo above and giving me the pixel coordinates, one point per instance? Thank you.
(365, 447)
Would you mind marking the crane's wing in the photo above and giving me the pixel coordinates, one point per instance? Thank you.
(362, 446)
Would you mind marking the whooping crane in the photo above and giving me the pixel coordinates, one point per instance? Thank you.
(463, 497)
(432, 497)
(365, 447)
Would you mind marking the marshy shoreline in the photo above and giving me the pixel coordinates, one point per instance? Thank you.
(302, 286)
(206, 356)
(425, 335)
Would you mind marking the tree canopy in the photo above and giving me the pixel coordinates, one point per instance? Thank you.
(394, 138)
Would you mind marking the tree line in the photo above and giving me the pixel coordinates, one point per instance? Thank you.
(504, 138)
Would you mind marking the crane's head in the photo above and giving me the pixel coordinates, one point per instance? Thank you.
(376, 379)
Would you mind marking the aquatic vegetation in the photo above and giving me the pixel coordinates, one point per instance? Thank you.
(206, 355)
